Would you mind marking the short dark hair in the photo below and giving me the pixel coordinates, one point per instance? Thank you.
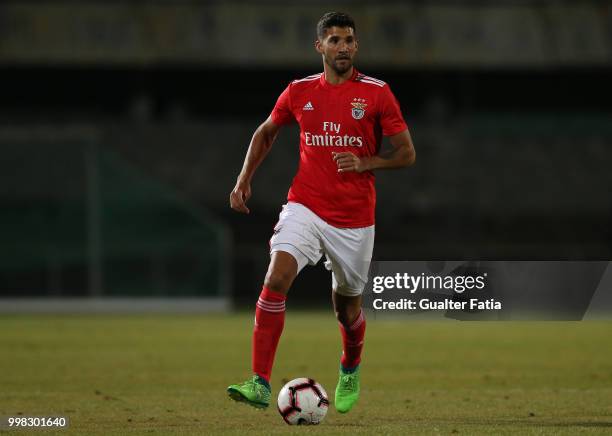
(331, 19)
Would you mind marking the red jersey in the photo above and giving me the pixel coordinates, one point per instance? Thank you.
(351, 116)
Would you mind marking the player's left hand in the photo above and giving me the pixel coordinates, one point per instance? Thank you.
(347, 161)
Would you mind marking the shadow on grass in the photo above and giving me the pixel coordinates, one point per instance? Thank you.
(534, 422)
(577, 424)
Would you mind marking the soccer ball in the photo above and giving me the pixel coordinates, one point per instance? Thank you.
(303, 401)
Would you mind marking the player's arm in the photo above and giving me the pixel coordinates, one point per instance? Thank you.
(260, 146)
(400, 155)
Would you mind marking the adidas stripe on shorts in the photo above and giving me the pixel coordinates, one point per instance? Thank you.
(348, 252)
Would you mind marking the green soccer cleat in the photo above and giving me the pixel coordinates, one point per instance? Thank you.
(347, 390)
(255, 392)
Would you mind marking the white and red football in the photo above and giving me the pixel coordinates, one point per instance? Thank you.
(303, 401)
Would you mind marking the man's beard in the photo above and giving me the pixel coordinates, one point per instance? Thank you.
(340, 69)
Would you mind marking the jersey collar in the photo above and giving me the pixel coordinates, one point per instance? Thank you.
(328, 85)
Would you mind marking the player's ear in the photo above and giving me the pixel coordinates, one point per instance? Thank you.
(317, 45)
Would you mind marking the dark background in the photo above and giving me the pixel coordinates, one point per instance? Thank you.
(513, 161)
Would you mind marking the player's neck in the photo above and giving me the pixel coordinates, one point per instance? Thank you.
(333, 78)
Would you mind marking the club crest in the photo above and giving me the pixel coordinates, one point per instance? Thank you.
(358, 108)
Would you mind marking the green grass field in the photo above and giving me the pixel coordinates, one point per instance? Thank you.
(166, 375)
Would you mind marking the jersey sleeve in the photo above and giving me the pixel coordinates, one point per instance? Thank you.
(391, 119)
(282, 113)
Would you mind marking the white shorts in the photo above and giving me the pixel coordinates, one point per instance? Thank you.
(301, 233)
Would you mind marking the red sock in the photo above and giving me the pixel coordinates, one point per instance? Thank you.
(352, 342)
(269, 322)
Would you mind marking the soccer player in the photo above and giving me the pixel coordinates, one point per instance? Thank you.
(342, 115)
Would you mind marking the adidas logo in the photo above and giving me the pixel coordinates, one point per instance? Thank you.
(308, 107)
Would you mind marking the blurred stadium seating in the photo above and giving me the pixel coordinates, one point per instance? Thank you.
(80, 221)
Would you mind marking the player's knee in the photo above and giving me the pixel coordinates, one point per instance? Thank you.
(278, 281)
(341, 316)
(346, 315)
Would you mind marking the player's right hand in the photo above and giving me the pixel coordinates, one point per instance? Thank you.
(239, 196)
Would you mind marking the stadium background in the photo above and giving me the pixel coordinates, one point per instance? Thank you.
(123, 126)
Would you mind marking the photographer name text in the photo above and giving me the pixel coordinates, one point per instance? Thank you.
(427, 304)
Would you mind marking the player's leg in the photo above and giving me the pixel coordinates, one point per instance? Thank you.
(269, 323)
(270, 312)
(291, 248)
(352, 328)
(349, 253)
